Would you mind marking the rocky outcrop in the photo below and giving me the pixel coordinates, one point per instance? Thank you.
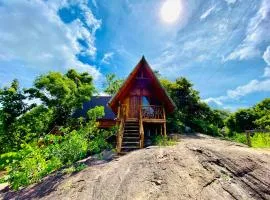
(198, 167)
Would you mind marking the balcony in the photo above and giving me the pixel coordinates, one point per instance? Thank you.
(153, 113)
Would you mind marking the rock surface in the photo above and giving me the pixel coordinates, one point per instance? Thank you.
(198, 167)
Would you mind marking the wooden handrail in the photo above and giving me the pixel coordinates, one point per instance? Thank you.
(141, 130)
(152, 112)
(121, 118)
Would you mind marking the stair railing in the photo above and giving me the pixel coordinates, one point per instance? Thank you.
(121, 119)
(141, 130)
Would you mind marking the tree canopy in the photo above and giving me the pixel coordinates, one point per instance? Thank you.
(112, 84)
(62, 92)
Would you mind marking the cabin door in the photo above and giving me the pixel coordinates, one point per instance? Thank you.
(134, 106)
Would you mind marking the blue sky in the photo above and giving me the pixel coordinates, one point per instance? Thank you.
(222, 46)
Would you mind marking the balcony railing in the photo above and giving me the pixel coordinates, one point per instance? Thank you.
(152, 112)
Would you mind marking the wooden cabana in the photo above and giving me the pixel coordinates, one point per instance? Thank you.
(140, 104)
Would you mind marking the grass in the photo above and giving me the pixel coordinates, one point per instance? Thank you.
(74, 168)
(163, 141)
(258, 140)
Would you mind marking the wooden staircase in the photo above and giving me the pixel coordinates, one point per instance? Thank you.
(131, 137)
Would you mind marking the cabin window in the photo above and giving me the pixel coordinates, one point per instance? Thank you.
(145, 101)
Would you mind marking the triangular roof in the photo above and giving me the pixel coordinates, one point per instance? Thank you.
(163, 95)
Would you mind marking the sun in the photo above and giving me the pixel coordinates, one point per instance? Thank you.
(171, 10)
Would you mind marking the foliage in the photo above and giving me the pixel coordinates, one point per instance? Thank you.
(255, 117)
(163, 141)
(261, 140)
(32, 125)
(239, 137)
(70, 148)
(33, 165)
(48, 154)
(112, 84)
(12, 106)
(62, 93)
(258, 140)
(8, 158)
(191, 111)
(262, 110)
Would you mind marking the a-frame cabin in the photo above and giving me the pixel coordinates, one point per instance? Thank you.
(141, 105)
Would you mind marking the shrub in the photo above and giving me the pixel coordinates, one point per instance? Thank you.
(8, 158)
(260, 140)
(48, 154)
(32, 167)
(72, 148)
(239, 137)
(206, 127)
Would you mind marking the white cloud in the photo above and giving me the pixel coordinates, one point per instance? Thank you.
(244, 52)
(216, 101)
(266, 72)
(230, 1)
(251, 87)
(256, 33)
(207, 13)
(32, 33)
(107, 57)
(266, 55)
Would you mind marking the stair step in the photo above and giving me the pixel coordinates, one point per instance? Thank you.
(131, 132)
(131, 127)
(130, 142)
(130, 147)
(131, 138)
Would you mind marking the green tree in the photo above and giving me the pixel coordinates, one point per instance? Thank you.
(12, 102)
(191, 111)
(112, 84)
(32, 125)
(241, 120)
(63, 93)
(185, 98)
(262, 110)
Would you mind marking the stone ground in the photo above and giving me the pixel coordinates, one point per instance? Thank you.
(198, 167)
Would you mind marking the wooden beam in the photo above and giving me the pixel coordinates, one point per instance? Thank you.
(154, 120)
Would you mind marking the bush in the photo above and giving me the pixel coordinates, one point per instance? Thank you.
(45, 155)
(70, 148)
(261, 140)
(8, 158)
(239, 137)
(33, 165)
(206, 127)
(163, 141)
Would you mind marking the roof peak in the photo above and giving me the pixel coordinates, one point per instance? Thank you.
(143, 58)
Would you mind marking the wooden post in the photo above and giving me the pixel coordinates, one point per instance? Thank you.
(164, 124)
(141, 129)
(248, 138)
(164, 129)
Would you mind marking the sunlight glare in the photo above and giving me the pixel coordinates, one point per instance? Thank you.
(171, 10)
